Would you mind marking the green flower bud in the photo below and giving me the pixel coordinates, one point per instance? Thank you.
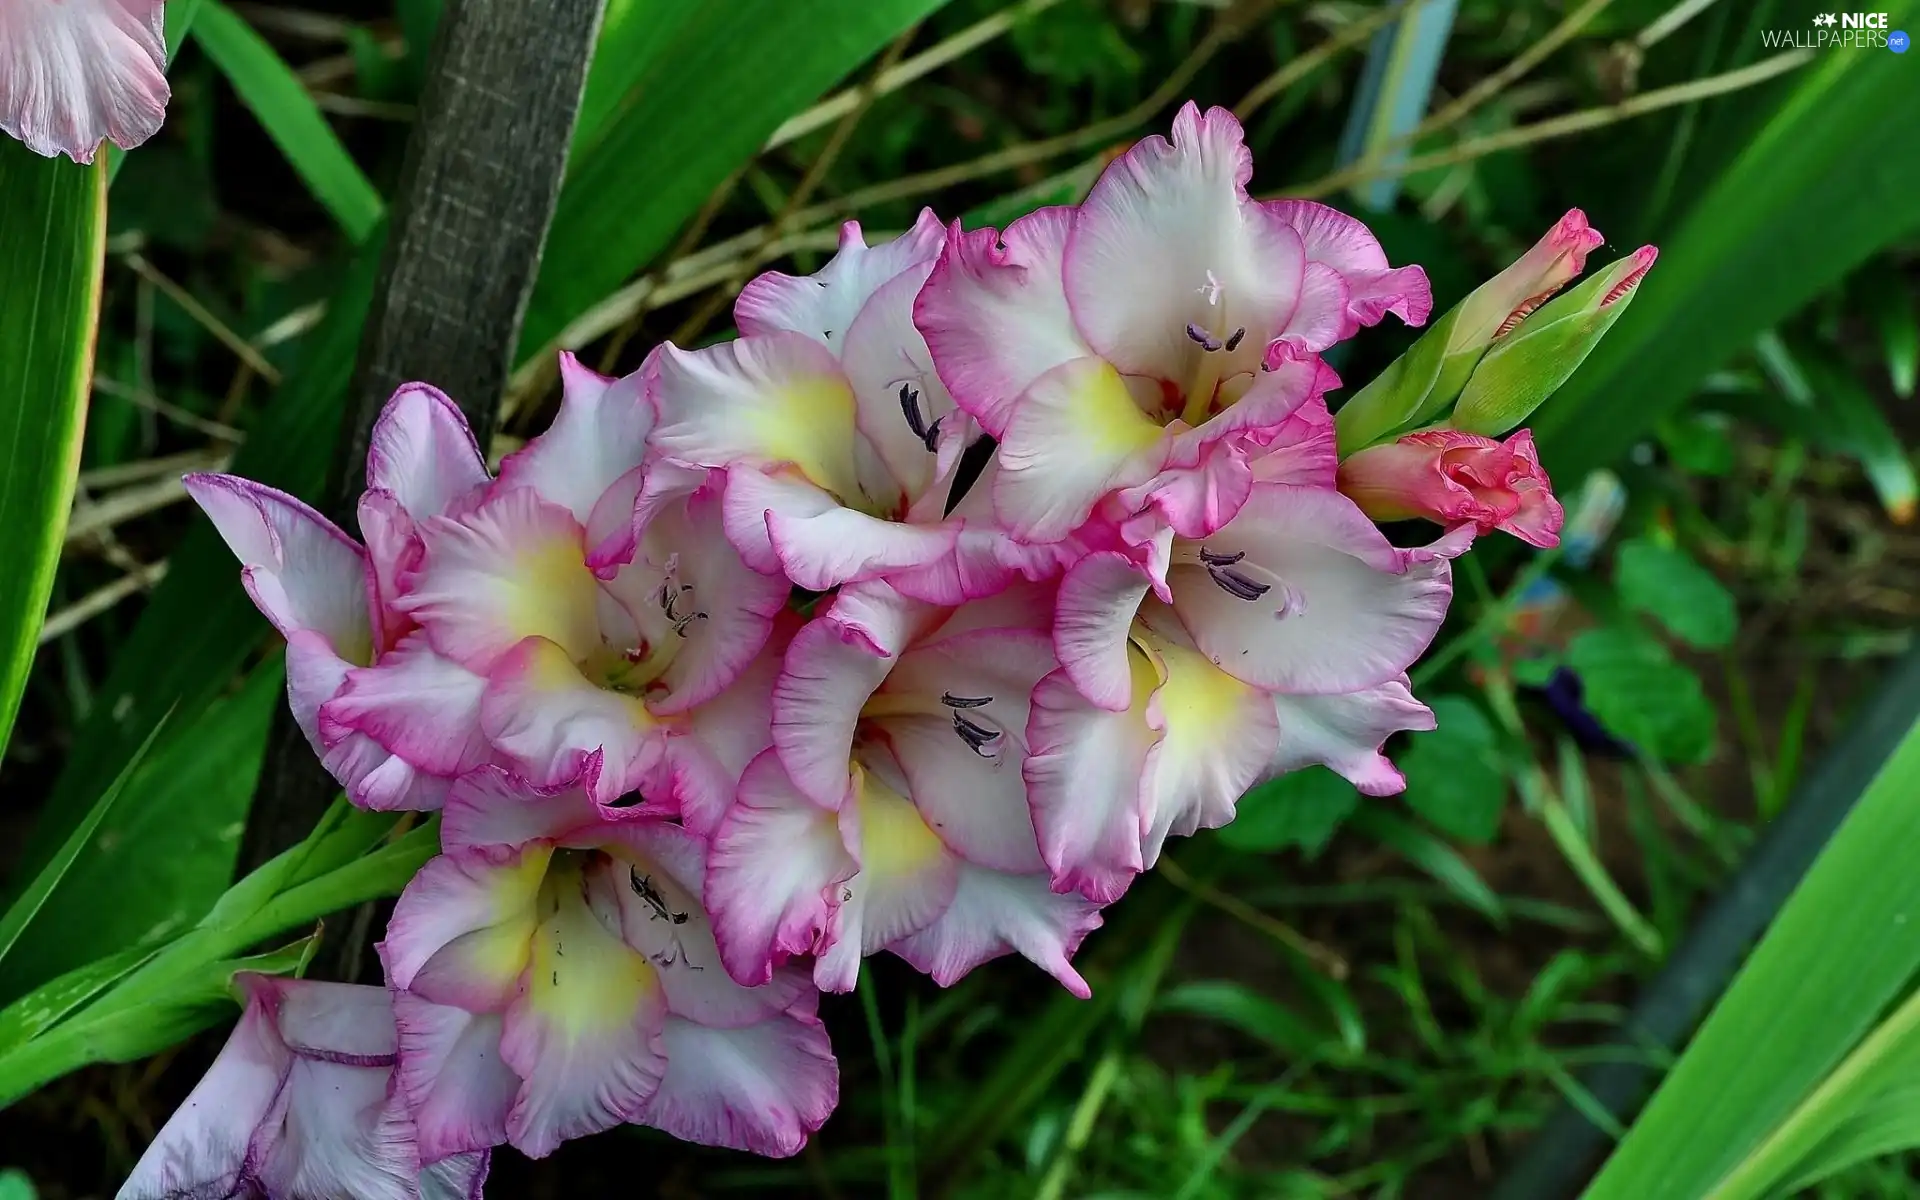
(1421, 382)
(1531, 363)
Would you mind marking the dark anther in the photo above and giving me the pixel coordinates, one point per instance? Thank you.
(953, 701)
(1205, 340)
(977, 737)
(1233, 342)
(932, 440)
(642, 886)
(910, 409)
(1220, 560)
(1234, 584)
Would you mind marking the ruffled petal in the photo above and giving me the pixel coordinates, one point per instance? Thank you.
(767, 401)
(975, 800)
(1321, 602)
(814, 540)
(994, 312)
(457, 1088)
(202, 1149)
(773, 873)
(1167, 239)
(1343, 243)
(461, 1177)
(995, 913)
(494, 812)
(732, 605)
(656, 874)
(986, 559)
(1074, 434)
(547, 719)
(823, 305)
(1216, 736)
(416, 704)
(1098, 600)
(710, 746)
(583, 1033)
(835, 663)
(75, 73)
(460, 930)
(1302, 450)
(906, 880)
(393, 555)
(762, 1088)
(902, 405)
(599, 434)
(513, 569)
(302, 572)
(423, 453)
(1345, 732)
(1085, 772)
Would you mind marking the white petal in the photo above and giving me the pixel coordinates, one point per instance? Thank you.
(75, 72)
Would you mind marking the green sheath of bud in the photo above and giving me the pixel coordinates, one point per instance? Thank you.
(1531, 363)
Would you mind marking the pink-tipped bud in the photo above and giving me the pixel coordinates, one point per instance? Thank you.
(1457, 479)
(1530, 362)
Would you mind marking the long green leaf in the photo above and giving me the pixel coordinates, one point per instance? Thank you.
(705, 86)
(1810, 195)
(199, 629)
(276, 97)
(1889, 1122)
(155, 867)
(106, 1031)
(27, 905)
(52, 249)
(1836, 956)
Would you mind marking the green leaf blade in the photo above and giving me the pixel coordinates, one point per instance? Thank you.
(52, 251)
(1840, 951)
(280, 102)
(713, 83)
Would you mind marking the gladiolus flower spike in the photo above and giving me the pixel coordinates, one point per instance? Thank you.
(674, 809)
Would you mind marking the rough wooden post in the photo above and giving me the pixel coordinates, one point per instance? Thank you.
(476, 195)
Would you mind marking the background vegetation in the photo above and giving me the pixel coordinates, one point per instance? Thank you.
(1336, 995)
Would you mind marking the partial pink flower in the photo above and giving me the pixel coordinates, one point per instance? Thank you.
(1163, 329)
(302, 1103)
(1457, 478)
(838, 439)
(76, 72)
(892, 812)
(558, 976)
(1192, 671)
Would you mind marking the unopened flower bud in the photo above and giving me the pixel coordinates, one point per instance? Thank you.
(1531, 362)
(1455, 479)
(1421, 382)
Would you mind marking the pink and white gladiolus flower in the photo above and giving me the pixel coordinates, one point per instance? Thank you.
(891, 813)
(302, 1103)
(839, 442)
(74, 73)
(523, 620)
(1146, 344)
(1279, 641)
(1457, 478)
(557, 975)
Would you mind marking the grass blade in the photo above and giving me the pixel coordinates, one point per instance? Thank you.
(27, 905)
(52, 250)
(1838, 953)
(276, 97)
